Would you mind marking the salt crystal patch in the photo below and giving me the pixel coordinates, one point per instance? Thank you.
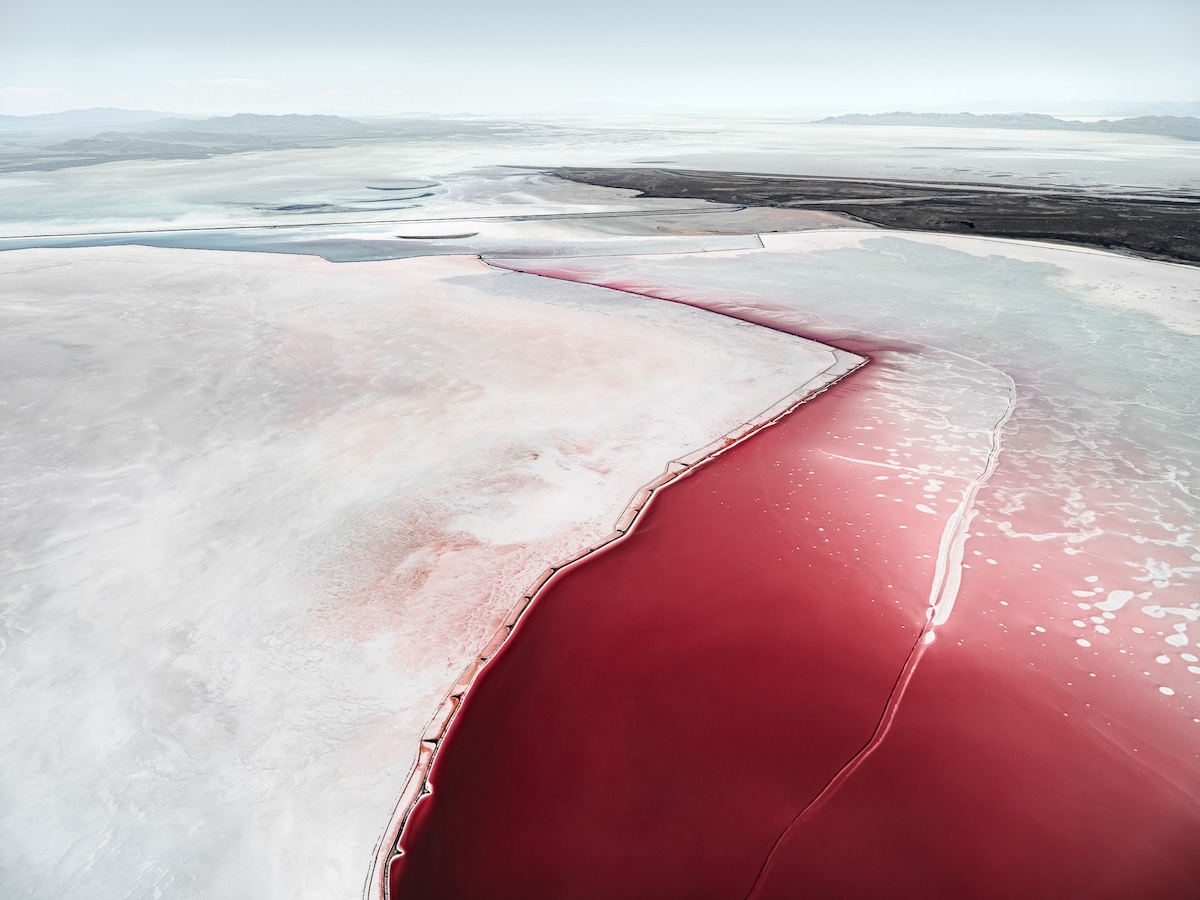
(1115, 600)
(925, 509)
(1162, 660)
(1082, 593)
(1176, 640)
(1091, 579)
(1167, 691)
(1083, 643)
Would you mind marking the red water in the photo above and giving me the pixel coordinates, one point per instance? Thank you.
(997, 783)
(667, 712)
(1022, 763)
(666, 708)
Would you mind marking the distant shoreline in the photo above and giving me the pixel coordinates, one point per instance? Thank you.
(1149, 225)
(1186, 128)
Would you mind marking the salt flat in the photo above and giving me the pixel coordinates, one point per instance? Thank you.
(260, 510)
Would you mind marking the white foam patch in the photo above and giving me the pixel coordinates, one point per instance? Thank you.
(1115, 600)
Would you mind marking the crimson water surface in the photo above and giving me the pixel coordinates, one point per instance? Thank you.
(667, 707)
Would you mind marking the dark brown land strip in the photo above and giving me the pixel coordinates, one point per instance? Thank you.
(1156, 226)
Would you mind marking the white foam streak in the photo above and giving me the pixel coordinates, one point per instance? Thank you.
(948, 572)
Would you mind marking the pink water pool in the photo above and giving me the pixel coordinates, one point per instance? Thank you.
(668, 706)
(759, 694)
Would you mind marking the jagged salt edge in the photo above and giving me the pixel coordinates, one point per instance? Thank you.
(417, 783)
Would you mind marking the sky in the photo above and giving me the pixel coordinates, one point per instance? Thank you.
(364, 57)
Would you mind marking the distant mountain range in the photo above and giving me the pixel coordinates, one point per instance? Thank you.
(1185, 127)
(92, 136)
(88, 120)
(250, 123)
(99, 116)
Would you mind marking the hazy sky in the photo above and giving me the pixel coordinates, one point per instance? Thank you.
(385, 56)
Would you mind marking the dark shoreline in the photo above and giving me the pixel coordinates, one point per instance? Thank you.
(1153, 226)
